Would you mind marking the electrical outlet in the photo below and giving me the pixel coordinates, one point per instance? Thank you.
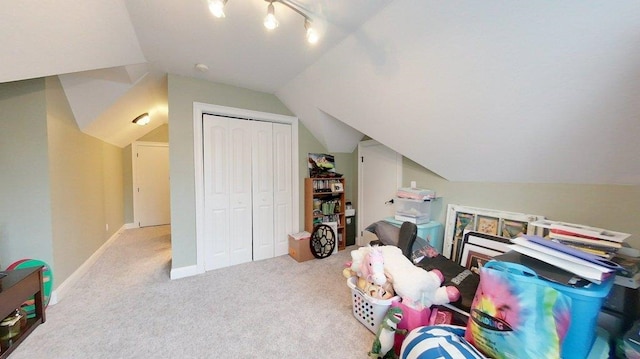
(107, 227)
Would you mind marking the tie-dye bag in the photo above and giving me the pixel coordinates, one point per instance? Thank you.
(515, 314)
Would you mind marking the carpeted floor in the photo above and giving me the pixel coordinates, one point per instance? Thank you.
(127, 307)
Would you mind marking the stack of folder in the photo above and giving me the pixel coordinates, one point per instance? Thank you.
(558, 262)
(598, 241)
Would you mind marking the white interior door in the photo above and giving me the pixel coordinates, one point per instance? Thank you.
(262, 180)
(282, 193)
(151, 190)
(227, 192)
(379, 177)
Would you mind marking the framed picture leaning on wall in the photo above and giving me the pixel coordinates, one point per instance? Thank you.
(462, 219)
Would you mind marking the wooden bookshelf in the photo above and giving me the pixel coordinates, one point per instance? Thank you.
(324, 201)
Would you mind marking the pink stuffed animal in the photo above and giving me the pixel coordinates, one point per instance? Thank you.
(368, 263)
(417, 287)
(372, 267)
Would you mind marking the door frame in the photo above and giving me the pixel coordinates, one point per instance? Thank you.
(200, 109)
(134, 174)
(398, 169)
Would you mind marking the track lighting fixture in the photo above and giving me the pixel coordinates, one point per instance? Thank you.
(312, 33)
(142, 119)
(270, 22)
(217, 7)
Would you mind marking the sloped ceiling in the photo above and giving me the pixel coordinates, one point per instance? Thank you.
(507, 91)
(510, 91)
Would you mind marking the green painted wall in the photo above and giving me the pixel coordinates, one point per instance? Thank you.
(86, 186)
(25, 208)
(60, 188)
(606, 206)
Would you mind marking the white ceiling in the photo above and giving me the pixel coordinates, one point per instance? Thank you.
(507, 91)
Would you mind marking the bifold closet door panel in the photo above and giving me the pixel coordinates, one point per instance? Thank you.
(262, 180)
(240, 199)
(227, 184)
(282, 193)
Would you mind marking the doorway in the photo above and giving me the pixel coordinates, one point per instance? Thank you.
(151, 194)
(379, 177)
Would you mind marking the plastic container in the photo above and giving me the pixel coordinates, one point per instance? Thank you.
(369, 311)
(411, 210)
(585, 306)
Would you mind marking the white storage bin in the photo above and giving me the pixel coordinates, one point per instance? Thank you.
(411, 210)
(368, 310)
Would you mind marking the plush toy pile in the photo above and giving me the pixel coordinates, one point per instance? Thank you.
(384, 271)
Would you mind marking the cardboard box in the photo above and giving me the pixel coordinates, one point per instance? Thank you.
(299, 248)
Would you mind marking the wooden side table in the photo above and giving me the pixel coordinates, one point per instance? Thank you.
(15, 288)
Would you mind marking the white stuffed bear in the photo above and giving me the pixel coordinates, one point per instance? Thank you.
(417, 287)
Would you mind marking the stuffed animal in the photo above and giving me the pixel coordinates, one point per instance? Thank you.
(368, 263)
(373, 290)
(361, 283)
(382, 346)
(417, 287)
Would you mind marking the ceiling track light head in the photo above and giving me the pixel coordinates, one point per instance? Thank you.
(270, 21)
(217, 7)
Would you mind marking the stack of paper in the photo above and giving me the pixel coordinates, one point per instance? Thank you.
(590, 267)
(598, 241)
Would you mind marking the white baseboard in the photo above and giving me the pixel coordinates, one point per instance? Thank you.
(78, 273)
(182, 272)
(129, 226)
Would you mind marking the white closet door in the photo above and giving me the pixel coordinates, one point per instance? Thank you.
(282, 194)
(262, 164)
(240, 199)
(216, 191)
(227, 192)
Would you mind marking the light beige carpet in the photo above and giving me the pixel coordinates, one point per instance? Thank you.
(127, 307)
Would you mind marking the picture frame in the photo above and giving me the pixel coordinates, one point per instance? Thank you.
(478, 248)
(464, 222)
(512, 229)
(487, 225)
(473, 257)
(457, 215)
(336, 187)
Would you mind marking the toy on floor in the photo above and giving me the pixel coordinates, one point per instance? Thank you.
(382, 346)
(438, 341)
(417, 288)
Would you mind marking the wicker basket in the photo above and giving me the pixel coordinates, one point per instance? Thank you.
(368, 310)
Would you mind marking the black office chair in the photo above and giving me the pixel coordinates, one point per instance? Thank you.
(406, 237)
